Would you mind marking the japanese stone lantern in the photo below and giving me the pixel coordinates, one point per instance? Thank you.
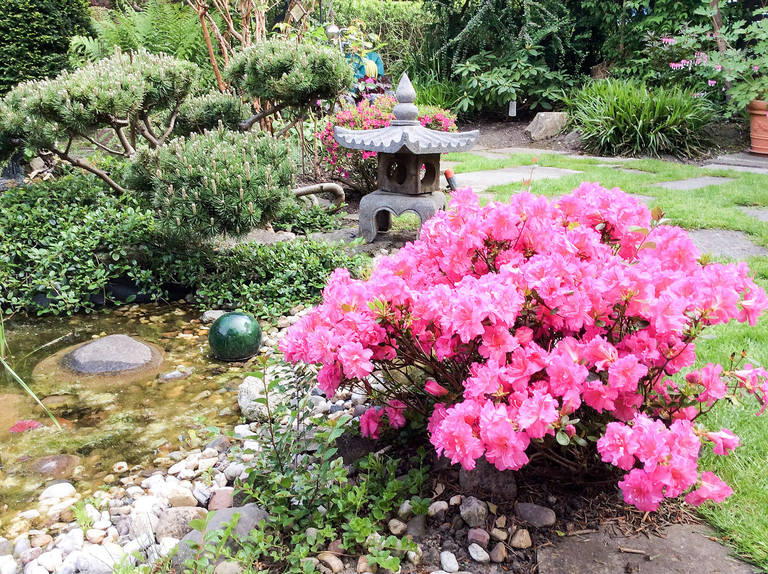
(403, 148)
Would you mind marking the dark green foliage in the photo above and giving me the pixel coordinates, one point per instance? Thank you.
(292, 74)
(217, 182)
(35, 37)
(65, 241)
(268, 280)
(398, 24)
(201, 113)
(299, 218)
(617, 117)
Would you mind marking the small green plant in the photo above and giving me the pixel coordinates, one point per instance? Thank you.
(624, 117)
(300, 219)
(81, 516)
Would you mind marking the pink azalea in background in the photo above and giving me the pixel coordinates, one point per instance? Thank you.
(395, 410)
(24, 425)
(435, 389)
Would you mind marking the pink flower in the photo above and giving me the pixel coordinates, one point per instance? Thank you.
(618, 446)
(711, 488)
(356, 360)
(395, 410)
(435, 389)
(756, 68)
(370, 422)
(641, 491)
(712, 82)
(537, 413)
(725, 441)
(24, 425)
(718, 67)
(668, 40)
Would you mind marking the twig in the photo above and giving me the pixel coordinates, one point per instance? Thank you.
(632, 551)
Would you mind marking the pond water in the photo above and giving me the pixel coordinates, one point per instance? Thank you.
(107, 422)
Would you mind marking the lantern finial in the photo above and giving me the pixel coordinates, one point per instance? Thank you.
(405, 111)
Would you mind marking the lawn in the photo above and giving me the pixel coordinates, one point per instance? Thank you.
(743, 519)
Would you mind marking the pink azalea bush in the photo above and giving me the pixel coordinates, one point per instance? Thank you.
(517, 326)
(358, 168)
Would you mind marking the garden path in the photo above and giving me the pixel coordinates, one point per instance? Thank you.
(742, 161)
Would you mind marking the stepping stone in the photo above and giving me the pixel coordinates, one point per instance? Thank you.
(624, 169)
(759, 213)
(481, 180)
(645, 198)
(693, 183)
(761, 170)
(686, 549)
(742, 161)
(726, 243)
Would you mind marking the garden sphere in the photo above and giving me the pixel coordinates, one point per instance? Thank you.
(234, 337)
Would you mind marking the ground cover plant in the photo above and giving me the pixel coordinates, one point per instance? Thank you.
(522, 338)
(68, 244)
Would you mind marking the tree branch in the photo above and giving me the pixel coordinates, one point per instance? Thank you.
(129, 149)
(145, 129)
(89, 167)
(171, 122)
(248, 124)
(103, 147)
(287, 128)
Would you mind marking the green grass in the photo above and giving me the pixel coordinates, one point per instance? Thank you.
(743, 519)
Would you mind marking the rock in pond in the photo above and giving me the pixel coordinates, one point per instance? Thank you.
(118, 358)
(55, 466)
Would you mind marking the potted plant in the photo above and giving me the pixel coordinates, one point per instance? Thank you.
(740, 65)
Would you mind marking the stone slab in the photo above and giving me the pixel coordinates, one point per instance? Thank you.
(481, 180)
(686, 549)
(110, 354)
(726, 243)
(759, 213)
(693, 183)
(743, 159)
(716, 165)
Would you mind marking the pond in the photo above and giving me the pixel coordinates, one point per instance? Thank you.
(108, 422)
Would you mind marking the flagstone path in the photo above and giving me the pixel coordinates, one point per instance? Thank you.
(686, 549)
(693, 183)
(479, 181)
(743, 161)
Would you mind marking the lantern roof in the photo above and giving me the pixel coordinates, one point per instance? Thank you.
(405, 131)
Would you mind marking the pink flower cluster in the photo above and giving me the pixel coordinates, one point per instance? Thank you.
(517, 322)
(369, 115)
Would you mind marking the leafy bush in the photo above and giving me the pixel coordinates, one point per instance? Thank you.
(36, 36)
(298, 218)
(355, 168)
(536, 326)
(617, 117)
(64, 241)
(295, 75)
(217, 182)
(398, 25)
(65, 244)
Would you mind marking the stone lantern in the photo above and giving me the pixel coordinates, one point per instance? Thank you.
(408, 173)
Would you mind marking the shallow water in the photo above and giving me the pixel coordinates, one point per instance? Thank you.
(109, 422)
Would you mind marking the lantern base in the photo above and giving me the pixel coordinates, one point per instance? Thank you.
(377, 208)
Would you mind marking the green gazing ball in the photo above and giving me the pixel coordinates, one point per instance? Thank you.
(234, 337)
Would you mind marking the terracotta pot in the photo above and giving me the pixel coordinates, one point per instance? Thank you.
(758, 126)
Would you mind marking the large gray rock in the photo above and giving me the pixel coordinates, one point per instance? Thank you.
(488, 482)
(535, 515)
(174, 522)
(110, 354)
(546, 125)
(249, 517)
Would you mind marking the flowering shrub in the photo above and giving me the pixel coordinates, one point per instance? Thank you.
(515, 326)
(358, 168)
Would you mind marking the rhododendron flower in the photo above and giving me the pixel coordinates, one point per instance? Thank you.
(435, 389)
(712, 488)
(25, 425)
(370, 422)
(725, 441)
(395, 410)
(531, 310)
